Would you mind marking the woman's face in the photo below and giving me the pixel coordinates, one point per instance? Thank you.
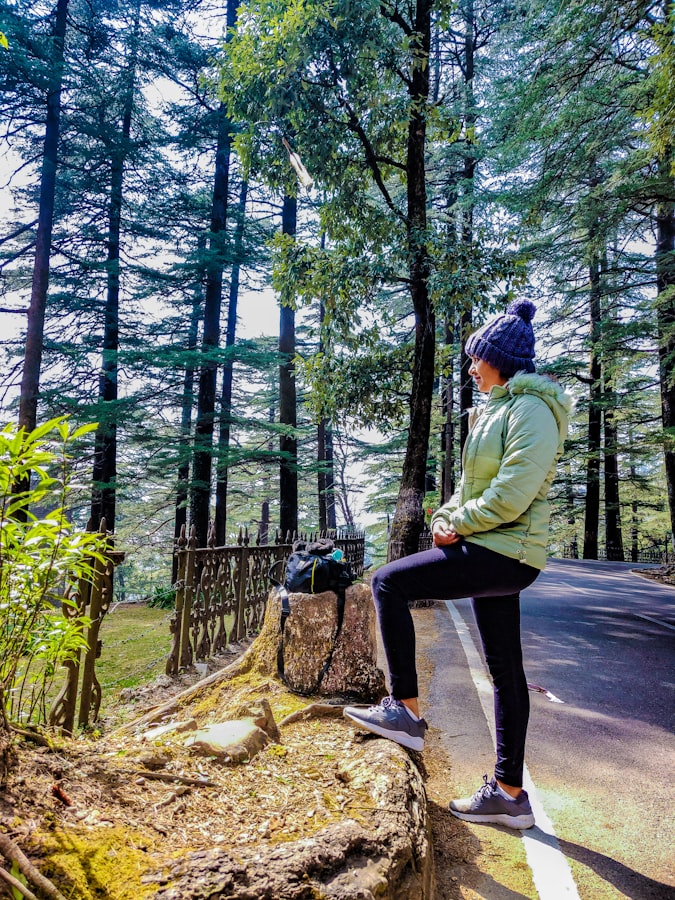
(485, 375)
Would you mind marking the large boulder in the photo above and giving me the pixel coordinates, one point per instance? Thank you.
(309, 640)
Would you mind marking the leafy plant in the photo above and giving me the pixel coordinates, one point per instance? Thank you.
(162, 598)
(42, 558)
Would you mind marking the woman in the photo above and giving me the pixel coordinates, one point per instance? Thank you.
(489, 544)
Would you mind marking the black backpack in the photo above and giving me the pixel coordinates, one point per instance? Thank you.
(312, 569)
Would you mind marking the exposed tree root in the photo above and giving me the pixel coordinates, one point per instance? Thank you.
(13, 853)
(260, 657)
(313, 711)
(16, 884)
(33, 736)
(169, 778)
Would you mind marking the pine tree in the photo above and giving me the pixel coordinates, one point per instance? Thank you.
(43, 241)
(582, 72)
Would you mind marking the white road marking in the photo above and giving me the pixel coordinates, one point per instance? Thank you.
(550, 869)
(655, 621)
(568, 586)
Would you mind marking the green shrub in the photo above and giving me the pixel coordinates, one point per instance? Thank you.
(162, 598)
(42, 558)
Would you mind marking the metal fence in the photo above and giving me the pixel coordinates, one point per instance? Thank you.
(396, 549)
(222, 591)
(656, 555)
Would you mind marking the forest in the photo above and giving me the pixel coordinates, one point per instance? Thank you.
(392, 173)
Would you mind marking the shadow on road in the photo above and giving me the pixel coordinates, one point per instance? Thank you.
(631, 883)
(627, 880)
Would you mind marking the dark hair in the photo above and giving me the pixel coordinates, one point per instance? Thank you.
(511, 372)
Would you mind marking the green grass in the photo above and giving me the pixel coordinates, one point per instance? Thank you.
(136, 642)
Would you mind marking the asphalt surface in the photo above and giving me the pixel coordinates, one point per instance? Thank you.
(601, 639)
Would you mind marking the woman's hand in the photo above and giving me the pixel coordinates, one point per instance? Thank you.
(443, 535)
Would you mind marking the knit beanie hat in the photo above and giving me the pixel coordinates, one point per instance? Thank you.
(507, 341)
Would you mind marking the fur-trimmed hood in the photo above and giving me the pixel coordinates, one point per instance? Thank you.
(558, 400)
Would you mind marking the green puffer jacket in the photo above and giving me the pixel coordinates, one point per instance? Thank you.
(508, 465)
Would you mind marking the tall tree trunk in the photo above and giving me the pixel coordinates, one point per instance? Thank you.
(409, 516)
(634, 519)
(264, 530)
(183, 475)
(665, 312)
(38, 299)
(571, 510)
(206, 399)
(448, 401)
(202, 464)
(326, 476)
(105, 449)
(288, 442)
(327, 519)
(326, 473)
(613, 534)
(228, 369)
(466, 382)
(592, 509)
(468, 175)
(342, 487)
(269, 481)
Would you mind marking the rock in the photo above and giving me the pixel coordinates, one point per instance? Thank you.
(232, 742)
(130, 694)
(387, 855)
(309, 636)
(153, 734)
(153, 761)
(262, 715)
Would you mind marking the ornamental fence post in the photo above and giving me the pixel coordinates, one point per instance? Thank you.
(241, 584)
(185, 647)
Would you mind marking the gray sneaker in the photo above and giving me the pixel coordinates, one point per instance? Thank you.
(487, 805)
(389, 719)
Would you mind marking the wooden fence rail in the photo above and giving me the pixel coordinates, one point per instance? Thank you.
(221, 591)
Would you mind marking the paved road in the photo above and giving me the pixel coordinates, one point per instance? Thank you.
(602, 640)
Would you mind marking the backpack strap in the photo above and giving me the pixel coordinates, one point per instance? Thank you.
(285, 613)
(275, 581)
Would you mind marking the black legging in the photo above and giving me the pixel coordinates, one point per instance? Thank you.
(494, 581)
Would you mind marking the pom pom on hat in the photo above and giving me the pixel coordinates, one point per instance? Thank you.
(523, 308)
(507, 342)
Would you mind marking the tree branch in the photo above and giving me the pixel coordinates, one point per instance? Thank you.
(585, 379)
(17, 885)
(10, 259)
(371, 158)
(19, 231)
(12, 852)
(395, 16)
